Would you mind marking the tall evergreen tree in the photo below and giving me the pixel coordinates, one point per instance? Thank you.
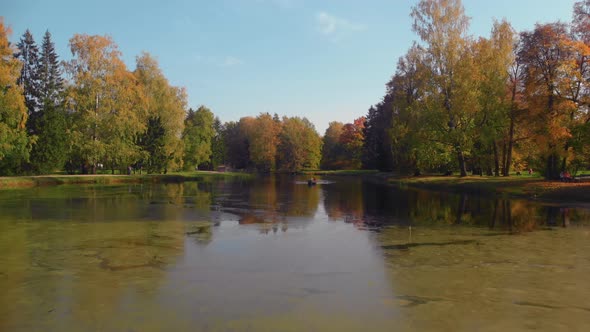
(28, 54)
(377, 144)
(152, 142)
(49, 152)
(237, 145)
(51, 84)
(218, 148)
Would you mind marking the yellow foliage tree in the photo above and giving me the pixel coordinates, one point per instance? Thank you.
(106, 101)
(166, 103)
(14, 143)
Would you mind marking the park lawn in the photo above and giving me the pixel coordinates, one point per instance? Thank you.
(12, 182)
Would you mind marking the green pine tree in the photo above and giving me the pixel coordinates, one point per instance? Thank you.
(28, 54)
(49, 153)
(152, 143)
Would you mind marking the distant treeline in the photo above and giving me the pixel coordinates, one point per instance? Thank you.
(493, 105)
(92, 113)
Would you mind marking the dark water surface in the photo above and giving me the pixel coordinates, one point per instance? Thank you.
(277, 255)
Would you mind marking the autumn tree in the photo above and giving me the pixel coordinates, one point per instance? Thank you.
(351, 139)
(517, 113)
(579, 85)
(410, 147)
(167, 104)
(493, 60)
(343, 145)
(197, 136)
(300, 145)
(451, 102)
(332, 152)
(581, 21)
(575, 85)
(106, 102)
(544, 53)
(263, 138)
(14, 142)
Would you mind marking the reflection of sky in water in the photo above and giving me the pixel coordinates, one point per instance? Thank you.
(322, 266)
(280, 256)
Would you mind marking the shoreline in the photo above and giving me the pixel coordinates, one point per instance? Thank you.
(518, 187)
(23, 182)
(530, 188)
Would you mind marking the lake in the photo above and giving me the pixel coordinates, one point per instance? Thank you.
(275, 254)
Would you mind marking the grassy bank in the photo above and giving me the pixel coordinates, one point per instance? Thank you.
(516, 186)
(49, 180)
(525, 186)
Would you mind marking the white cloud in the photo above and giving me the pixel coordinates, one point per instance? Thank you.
(330, 25)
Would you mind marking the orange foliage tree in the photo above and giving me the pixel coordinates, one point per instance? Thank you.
(548, 54)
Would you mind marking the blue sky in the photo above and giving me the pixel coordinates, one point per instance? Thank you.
(325, 60)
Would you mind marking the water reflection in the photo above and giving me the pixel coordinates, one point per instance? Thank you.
(370, 205)
(275, 254)
(270, 202)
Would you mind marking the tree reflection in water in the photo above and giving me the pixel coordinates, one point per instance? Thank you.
(369, 205)
(103, 258)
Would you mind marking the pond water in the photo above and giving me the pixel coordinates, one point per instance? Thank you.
(278, 255)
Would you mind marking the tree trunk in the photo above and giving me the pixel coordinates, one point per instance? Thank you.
(503, 160)
(462, 166)
(496, 160)
(552, 159)
(508, 159)
(552, 170)
(510, 146)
